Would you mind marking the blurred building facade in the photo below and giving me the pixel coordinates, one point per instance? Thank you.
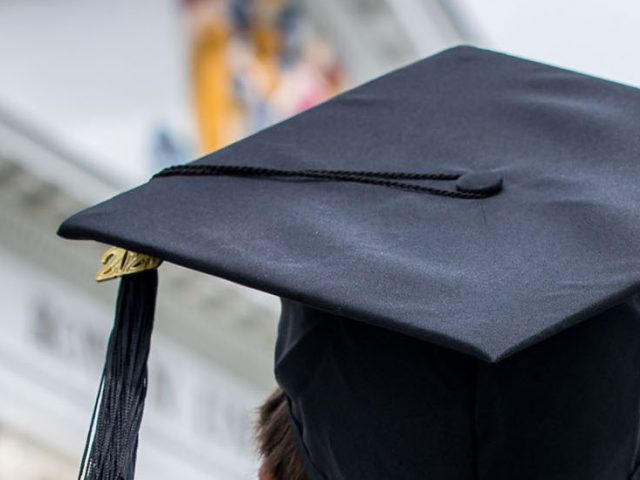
(96, 96)
(212, 347)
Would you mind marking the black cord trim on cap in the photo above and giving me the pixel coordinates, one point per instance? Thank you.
(382, 179)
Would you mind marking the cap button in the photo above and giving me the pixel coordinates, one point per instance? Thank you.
(482, 181)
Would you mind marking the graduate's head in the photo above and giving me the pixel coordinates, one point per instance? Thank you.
(276, 444)
(456, 249)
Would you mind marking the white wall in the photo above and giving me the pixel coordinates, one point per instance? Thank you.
(98, 75)
(599, 37)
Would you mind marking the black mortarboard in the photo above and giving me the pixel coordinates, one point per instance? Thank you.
(457, 249)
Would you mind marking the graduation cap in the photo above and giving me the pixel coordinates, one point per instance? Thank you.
(457, 247)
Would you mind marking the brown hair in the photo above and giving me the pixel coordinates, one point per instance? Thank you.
(281, 459)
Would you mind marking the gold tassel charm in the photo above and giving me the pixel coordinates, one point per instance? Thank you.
(119, 262)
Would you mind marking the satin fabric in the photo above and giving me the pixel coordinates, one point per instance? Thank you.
(557, 245)
(369, 403)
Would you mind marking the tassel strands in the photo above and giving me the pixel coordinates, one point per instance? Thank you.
(112, 441)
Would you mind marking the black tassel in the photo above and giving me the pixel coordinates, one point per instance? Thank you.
(112, 441)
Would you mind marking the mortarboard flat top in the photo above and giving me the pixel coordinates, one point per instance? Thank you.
(488, 277)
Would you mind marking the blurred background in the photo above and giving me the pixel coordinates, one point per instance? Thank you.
(96, 96)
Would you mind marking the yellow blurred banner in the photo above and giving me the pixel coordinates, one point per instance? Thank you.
(255, 63)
